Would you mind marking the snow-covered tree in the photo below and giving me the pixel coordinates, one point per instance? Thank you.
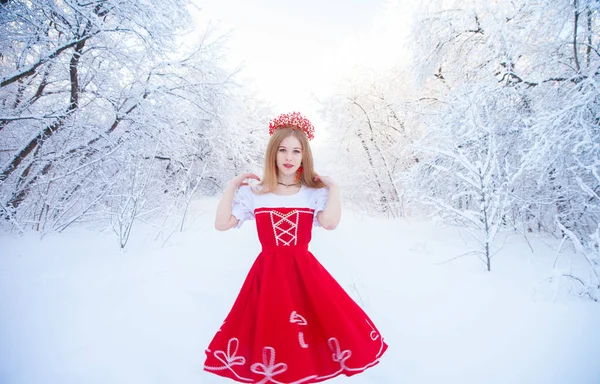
(466, 168)
(546, 52)
(505, 93)
(102, 103)
(368, 129)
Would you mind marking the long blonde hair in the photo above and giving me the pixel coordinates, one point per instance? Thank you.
(269, 180)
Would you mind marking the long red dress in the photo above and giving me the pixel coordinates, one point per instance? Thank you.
(291, 322)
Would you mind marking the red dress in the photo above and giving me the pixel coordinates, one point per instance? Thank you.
(291, 322)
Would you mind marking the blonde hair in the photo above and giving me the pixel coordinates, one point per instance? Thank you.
(269, 180)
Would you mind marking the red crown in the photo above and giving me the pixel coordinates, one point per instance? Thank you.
(294, 120)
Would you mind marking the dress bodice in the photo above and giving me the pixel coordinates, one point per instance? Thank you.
(284, 227)
(281, 220)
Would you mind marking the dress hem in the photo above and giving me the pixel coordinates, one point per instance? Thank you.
(306, 380)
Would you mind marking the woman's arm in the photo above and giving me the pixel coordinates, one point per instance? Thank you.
(329, 218)
(224, 220)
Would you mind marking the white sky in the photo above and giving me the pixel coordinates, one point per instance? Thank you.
(293, 49)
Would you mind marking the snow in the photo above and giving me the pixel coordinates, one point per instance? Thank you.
(76, 309)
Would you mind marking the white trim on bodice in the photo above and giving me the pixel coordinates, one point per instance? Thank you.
(278, 219)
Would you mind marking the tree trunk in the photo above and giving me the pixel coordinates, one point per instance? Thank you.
(383, 159)
(47, 132)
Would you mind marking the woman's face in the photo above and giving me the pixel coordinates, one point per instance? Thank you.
(289, 156)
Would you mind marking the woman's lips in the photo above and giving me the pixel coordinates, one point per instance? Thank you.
(288, 165)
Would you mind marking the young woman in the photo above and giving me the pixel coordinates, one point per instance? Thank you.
(291, 322)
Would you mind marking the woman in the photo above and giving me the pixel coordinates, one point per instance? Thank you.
(291, 322)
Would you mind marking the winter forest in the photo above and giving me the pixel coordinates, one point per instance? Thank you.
(492, 126)
(107, 118)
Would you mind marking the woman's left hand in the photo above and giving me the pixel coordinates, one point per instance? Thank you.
(328, 181)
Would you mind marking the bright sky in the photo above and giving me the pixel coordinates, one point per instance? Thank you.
(294, 49)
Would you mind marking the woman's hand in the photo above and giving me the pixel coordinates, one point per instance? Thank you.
(240, 180)
(328, 181)
(224, 220)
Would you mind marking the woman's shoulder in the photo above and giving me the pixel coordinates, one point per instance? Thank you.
(251, 188)
(246, 191)
(315, 196)
(315, 190)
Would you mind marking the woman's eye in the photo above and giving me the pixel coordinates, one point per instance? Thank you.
(296, 151)
(281, 150)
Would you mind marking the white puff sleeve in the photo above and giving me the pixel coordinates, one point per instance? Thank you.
(318, 202)
(243, 205)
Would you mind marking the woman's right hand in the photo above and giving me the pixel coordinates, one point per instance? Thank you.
(240, 180)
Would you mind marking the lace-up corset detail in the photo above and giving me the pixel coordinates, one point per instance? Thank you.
(284, 227)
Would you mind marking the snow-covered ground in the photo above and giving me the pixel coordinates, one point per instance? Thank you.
(74, 309)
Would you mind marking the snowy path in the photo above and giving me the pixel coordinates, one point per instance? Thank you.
(75, 310)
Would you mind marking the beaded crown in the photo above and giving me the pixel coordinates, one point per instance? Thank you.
(294, 120)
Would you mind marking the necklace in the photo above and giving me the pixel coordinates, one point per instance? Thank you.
(288, 185)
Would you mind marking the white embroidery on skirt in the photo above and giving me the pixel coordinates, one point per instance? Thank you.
(230, 359)
(338, 355)
(374, 335)
(268, 368)
(301, 340)
(295, 318)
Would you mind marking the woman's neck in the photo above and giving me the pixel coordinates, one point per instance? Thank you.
(287, 180)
